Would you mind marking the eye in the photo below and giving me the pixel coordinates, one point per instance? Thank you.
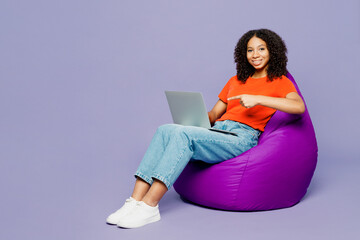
(262, 49)
(249, 50)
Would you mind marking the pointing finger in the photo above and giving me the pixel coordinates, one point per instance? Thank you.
(232, 98)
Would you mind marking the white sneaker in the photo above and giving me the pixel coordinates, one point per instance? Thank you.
(115, 217)
(143, 214)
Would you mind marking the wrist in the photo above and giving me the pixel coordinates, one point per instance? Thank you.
(260, 100)
(210, 117)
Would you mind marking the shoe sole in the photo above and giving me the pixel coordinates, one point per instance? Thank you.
(110, 223)
(150, 220)
(114, 222)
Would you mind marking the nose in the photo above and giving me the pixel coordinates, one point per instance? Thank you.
(256, 54)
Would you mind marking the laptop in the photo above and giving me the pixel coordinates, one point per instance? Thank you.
(188, 109)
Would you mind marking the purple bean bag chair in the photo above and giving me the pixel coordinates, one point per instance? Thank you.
(274, 174)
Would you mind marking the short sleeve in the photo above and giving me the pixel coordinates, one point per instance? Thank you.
(223, 96)
(286, 87)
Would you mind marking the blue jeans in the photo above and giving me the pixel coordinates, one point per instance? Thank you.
(173, 146)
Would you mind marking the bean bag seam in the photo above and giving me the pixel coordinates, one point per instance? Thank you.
(242, 176)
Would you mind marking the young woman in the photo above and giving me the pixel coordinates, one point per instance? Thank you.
(245, 105)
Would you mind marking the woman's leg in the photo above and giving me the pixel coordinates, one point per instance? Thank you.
(170, 150)
(187, 142)
(140, 189)
(147, 191)
(155, 193)
(146, 209)
(150, 194)
(180, 144)
(155, 152)
(170, 146)
(144, 178)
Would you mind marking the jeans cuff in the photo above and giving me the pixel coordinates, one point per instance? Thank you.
(147, 179)
(163, 180)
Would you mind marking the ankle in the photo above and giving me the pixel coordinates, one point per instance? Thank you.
(136, 198)
(149, 202)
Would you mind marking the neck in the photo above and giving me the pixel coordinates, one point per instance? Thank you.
(259, 75)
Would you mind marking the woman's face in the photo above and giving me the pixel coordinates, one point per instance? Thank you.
(258, 55)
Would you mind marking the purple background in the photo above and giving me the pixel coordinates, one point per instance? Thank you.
(81, 94)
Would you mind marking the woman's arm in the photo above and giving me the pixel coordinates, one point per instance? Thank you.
(292, 103)
(217, 111)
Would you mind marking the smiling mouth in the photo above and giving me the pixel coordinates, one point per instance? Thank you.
(257, 62)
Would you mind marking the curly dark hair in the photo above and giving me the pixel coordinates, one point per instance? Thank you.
(277, 50)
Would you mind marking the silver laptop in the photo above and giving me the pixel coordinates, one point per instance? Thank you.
(188, 108)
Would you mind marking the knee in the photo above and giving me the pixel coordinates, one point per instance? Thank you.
(172, 129)
(167, 128)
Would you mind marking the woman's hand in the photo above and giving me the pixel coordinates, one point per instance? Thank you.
(247, 100)
(292, 103)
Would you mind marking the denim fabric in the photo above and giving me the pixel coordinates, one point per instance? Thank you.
(173, 146)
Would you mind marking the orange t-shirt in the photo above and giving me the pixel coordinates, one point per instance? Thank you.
(258, 116)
